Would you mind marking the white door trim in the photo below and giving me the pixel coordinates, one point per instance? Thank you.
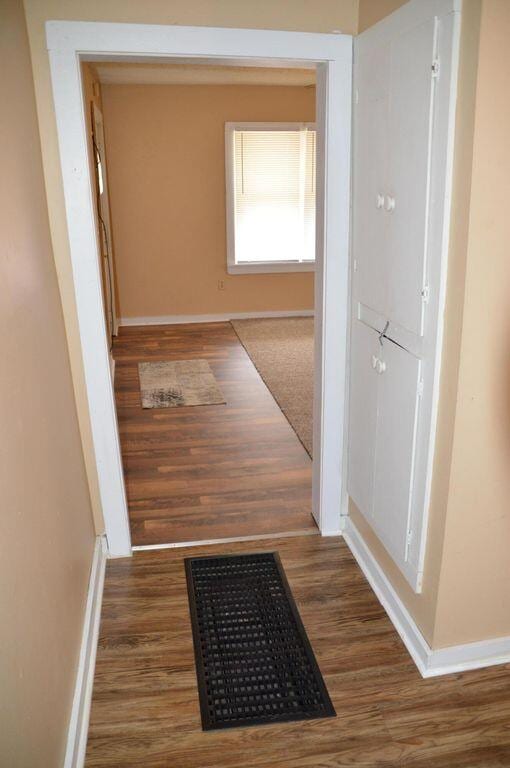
(224, 317)
(78, 727)
(70, 42)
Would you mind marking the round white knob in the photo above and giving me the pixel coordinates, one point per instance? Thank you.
(381, 366)
(374, 361)
(380, 201)
(390, 203)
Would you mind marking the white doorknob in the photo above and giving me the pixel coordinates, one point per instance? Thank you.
(374, 362)
(381, 366)
(380, 201)
(390, 203)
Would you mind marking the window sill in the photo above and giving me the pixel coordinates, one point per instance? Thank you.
(273, 266)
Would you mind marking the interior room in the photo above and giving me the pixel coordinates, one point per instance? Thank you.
(205, 200)
(254, 518)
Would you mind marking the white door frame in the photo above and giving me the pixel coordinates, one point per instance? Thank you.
(69, 43)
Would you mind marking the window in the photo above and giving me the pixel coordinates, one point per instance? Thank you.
(270, 170)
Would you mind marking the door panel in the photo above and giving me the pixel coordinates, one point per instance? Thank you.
(395, 447)
(410, 122)
(363, 416)
(370, 178)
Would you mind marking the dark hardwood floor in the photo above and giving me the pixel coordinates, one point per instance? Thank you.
(145, 709)
(207, 472)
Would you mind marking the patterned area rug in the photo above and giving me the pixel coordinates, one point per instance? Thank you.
(178, 383)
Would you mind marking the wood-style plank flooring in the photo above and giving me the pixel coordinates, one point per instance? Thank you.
(207, 472)
(145, 709)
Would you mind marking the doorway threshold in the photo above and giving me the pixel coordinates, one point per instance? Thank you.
(230, 540)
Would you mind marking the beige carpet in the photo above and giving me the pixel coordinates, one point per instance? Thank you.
(170, 384)
(282, 352)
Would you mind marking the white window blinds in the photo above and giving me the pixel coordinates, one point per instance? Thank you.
(274, 195)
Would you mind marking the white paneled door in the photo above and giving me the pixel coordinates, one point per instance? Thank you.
(405, 71)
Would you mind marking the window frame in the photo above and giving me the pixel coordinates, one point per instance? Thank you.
(263, 266)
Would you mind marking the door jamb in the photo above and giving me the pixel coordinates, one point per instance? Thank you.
(70, 43)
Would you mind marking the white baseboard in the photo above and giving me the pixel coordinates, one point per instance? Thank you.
(79, 722)
(430, 663)
(221, 318)
(390, 601)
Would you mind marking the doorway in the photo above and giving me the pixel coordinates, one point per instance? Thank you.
(331, 55)
(184, 181)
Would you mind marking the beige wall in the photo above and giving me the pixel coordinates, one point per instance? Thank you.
(166, 165)
(46, 529)
(474, 597)
(372, 11)
(317, 16)
(299, 15)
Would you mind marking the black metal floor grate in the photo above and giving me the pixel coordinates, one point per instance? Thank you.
(254, 661)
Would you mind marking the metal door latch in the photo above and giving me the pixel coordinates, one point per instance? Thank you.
(382, 335)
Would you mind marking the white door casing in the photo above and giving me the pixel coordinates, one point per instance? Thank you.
(69, 43)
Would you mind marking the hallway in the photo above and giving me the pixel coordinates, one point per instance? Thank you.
(145, 709)
(207, 472)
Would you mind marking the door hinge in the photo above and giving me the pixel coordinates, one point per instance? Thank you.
(425, 294)
(409, 537)
(355, 265)
(420, 388)
(435, 68)
(356, 96)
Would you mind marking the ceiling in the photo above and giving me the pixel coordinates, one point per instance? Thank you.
(120, 73)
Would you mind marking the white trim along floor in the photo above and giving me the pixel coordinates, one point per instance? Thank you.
(215, 318)
(80, 712)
